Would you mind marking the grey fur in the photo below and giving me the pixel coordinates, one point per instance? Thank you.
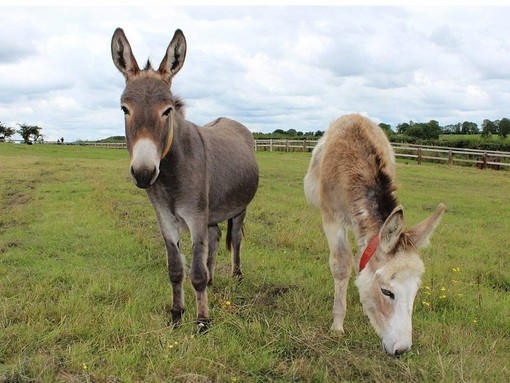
(209, 175)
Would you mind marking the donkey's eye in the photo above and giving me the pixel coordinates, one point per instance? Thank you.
(125, 110)
(388, 293)
(167, 111)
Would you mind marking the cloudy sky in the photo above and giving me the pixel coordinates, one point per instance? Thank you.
(270, 67)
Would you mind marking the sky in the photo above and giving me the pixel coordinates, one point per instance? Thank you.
(269, 67)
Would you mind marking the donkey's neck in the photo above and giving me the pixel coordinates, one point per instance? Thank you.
(373, 211)
(187, 143)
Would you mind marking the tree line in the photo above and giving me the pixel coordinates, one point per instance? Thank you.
(29, 133)
(406, 131)
(413, 130)
(432, 129)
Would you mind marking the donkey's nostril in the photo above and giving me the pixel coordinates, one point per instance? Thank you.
(399, 352)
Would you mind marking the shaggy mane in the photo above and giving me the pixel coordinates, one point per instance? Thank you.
(180, 105)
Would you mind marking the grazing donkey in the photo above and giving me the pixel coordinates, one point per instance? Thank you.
(351, 178)
(195, 177)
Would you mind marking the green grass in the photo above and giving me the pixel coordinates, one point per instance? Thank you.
(84, 295)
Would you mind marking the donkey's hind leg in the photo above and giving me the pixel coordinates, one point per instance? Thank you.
(234, 237)
(340, 263)
(214, 242)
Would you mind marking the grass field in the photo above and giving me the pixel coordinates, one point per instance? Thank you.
(84, 295)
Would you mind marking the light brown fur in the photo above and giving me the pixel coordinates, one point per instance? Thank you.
(351, 179)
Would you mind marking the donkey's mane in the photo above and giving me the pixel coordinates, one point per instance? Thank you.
(382, 192)
(180, 105)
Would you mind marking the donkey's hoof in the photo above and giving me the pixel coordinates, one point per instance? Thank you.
(203, 325)
(171, 323)
(237, 275)
(175, 321)
(337, 329)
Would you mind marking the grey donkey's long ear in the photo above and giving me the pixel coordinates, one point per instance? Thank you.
(122, 55)
(174, 57)
(421, 233)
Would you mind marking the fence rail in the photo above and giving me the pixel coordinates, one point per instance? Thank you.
(419, 153)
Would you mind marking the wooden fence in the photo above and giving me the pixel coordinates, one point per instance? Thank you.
(419, 153)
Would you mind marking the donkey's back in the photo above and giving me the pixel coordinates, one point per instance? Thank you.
(232, 167)
(350, 163)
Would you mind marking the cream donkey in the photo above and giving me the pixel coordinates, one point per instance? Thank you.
(351, 179)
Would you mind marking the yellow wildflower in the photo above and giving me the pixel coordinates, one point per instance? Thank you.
(425, 303)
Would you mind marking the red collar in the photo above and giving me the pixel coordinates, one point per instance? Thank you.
(369, 252)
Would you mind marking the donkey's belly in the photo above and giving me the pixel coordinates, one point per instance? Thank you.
(216, 217)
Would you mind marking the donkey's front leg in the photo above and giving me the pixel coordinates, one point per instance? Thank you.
(169, 227)
(199, 273)
(176, 275)
(340, 263)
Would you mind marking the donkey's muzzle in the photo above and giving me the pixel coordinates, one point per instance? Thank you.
(144, 177)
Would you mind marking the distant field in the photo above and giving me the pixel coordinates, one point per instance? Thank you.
(84, 295)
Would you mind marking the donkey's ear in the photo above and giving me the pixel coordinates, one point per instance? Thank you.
(122, 55)
(174, 57)
(391, 229)
(421, 233)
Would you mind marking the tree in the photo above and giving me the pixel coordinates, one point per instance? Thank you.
(504, 127)
(29, 131)
(387, 129)
(402, 128)
(424, 130)
(469, 128)
(6, 132)
(488, 127)
(452, 128)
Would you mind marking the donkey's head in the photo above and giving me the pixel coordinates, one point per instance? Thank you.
(148, 105)
(389, 282)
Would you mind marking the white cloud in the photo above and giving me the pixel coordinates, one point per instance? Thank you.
(269, 67)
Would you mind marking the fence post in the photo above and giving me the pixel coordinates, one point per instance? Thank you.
(484, 162)
(304, 145)
(418, 157)
(450, 157)
(271, 145)
(287, 146)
